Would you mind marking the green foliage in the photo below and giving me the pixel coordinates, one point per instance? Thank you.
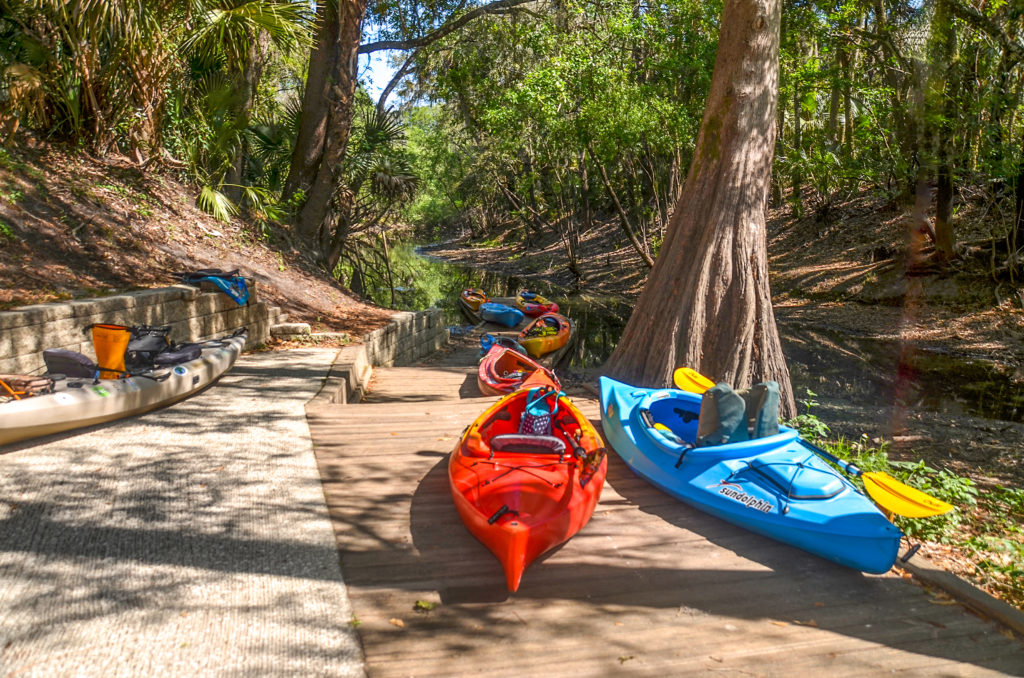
(527, 108)
(808, 424)
(989, 527)
(176, 75)
(215, 203)
(7, 233)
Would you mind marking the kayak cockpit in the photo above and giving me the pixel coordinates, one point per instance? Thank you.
(670, 418)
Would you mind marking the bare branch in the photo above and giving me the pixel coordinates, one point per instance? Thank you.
(981, 22)
(445, 29)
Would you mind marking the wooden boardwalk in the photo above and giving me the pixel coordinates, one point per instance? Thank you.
(648, 587)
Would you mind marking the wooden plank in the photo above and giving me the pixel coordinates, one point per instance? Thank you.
(648, 587)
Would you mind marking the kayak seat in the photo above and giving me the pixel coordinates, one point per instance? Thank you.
(722, 417)
(728, 416)
(70, 363)
(519, 443)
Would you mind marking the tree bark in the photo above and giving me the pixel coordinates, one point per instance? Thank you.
(707, 303)
(309, 145)
(341, 99)
(247, 87)
(937, 130)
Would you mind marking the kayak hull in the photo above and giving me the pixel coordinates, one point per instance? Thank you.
(84, 402)
(522, 505)
(500, 314)
(773, 486)
(541, 345)
(503, 370)
(534, 305)
(473, 297)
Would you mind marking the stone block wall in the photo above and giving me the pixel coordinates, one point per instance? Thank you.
(407, 338)
(192, 315)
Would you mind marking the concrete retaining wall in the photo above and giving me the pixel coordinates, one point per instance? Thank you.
(193, 316)
(407, 338)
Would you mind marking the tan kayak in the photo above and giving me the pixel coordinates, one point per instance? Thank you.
(78, 402)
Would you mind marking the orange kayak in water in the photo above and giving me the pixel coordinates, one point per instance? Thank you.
(547, 333)
(503, 370)
(524, 494)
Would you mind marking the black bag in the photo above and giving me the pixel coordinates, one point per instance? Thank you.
(146, 344)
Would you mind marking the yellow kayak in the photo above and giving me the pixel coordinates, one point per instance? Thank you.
(547, 333)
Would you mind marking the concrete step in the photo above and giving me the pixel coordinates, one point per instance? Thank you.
(289, 330)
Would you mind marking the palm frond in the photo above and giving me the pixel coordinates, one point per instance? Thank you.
(216, 204)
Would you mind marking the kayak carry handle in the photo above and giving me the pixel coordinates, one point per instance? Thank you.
(499, 513)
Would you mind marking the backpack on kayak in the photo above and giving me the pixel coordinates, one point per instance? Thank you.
(538, 412)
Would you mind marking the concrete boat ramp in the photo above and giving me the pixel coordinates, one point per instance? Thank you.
(196, 541)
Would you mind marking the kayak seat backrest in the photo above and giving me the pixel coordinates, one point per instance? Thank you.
(728, 416)
(518, 443)
(147, 342)
(762, 409)
(69, 363)
(722, 417)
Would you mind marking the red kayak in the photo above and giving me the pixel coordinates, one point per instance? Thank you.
(522, 494)
(533, 305)
(503, 370)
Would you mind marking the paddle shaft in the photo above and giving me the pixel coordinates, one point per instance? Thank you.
(844, 465)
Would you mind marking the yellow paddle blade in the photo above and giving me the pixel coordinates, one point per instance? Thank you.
(691, 380)
(900, 498)
(662, 427)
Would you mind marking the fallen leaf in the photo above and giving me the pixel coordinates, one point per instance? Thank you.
(423, 606)
(809, 622)
(780, 623)
(819, 605)
(397, 622)
(717, 659)
(625, 658)
(619, 624)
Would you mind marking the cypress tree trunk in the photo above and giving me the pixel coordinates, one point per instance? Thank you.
(707, 303)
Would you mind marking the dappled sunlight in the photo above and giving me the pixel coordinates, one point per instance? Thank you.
(175, 533)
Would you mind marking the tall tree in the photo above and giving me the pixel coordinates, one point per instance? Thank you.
(707, 303)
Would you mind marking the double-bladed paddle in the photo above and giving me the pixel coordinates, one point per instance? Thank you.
(889, 493)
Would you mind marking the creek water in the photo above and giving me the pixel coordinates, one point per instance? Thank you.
(831, 361)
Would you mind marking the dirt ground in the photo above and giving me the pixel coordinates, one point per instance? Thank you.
(73, 226)
(849, 313)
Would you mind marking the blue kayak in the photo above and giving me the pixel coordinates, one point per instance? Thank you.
(771, 485)
(501, 314)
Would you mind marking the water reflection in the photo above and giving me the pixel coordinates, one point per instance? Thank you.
(830, 361)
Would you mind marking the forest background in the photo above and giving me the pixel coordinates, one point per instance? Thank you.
(541, 123)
